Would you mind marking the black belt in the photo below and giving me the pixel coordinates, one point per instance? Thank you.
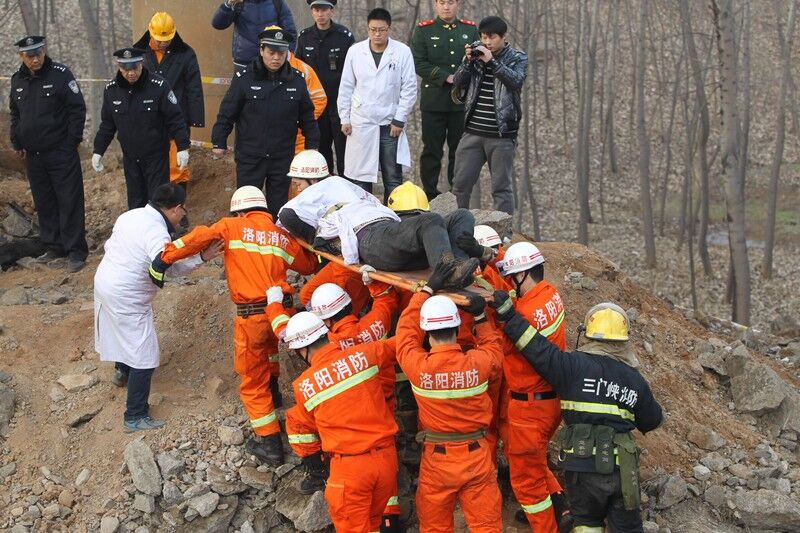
(246, 310)
(441, 448)
(547, 395)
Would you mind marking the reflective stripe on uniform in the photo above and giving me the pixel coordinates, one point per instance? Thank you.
(549, 330)
(526, 337)
(303, 438)
(394, 500)
(538, 507)
(264, 420)
(156, 274)
(263, 250)
(278, 320)
(588, 529)
(274, 358)
(449, 394)
(400, 376)
(340, 387)
(597, 408)
(178, 243)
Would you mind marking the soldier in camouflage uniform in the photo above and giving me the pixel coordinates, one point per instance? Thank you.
(438, 47)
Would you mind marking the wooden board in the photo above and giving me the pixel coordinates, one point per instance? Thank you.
(411, 281)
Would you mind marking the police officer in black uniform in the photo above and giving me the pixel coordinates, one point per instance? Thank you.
(324, 46)
(47, 117)
(603, 399)
(266, 101)
(142, 108)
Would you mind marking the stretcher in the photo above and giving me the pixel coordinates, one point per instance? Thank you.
(412, 280)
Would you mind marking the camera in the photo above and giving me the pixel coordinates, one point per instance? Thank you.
(475, 54)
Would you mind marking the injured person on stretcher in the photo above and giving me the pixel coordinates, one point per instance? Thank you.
(404, 236)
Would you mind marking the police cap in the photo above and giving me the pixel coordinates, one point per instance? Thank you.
(129, 58)
(30, 44)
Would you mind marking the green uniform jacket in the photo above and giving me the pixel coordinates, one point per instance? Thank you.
(438, 48)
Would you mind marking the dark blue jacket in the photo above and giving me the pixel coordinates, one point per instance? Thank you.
(249, 18)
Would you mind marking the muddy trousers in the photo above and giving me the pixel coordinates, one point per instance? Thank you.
(255, 359)
(596, 498)
(462, 472)
(359, 488)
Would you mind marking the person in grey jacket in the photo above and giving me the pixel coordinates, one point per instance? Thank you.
(489, 80)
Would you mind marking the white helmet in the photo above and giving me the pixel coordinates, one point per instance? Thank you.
(328, 299)
(438, 312)
(520, 257)
(309, 164)
(247, 197)
(303, 329)
(487, 236)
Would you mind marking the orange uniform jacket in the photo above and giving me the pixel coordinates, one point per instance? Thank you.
(315, 91)
(492, 275)
(340, 406)
(450, 385)
(342, 276)
(374, 325)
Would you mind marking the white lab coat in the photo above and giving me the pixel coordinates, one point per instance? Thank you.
(371, 97)
(347, 221)
(124, 330)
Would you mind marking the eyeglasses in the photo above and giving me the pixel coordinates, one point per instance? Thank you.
(378, 30)
(183, 208)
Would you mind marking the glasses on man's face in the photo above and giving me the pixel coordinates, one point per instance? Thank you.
(378, 30)
(183, 208)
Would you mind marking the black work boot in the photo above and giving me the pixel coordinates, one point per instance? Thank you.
(561, 509)
(316, 471)
(275, 391)
(268, 452)
(464, 273)
(390, 523)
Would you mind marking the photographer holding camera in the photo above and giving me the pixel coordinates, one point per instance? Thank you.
(492, 74)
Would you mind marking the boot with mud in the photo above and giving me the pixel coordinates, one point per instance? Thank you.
(316, 474)
(269, 451)
(464, 272)
(275, 391)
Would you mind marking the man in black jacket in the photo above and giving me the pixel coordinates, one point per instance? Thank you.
(47, 117)
(142, 108)
(167, 55)
(603, 399)
(324, 46)
(492, 75)
(266, 101)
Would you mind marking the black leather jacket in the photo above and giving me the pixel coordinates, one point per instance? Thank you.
(510, 69)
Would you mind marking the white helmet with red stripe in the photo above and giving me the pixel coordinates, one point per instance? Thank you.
(328, 299)
(309, 165)
(303, 329)
(520, 257)
(487, 236)
(246, 198)
(438, 312)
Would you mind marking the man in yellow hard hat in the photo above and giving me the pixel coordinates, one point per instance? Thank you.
(169, 56)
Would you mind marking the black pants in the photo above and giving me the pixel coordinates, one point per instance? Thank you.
(330, 133)
(143, 175)
(138, 391)
(595, 498)
(438, 127)
(267, 174)
(57, 188)
(416, 242)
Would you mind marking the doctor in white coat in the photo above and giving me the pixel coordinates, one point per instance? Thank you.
(376, 95)
(124, 331)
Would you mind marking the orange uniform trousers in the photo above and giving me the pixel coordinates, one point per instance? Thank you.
(255, 359)
(359, 487)
(458, 471)
(176, 174)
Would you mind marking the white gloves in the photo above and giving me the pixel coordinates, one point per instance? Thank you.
(274, 295)
(183, 159)
(365, 270)
(97, 163)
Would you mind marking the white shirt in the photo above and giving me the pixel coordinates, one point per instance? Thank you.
(345, 222)
(314, 201)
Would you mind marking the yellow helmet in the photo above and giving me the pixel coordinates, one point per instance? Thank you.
(408, 197)
(162, 27)
(607, 322)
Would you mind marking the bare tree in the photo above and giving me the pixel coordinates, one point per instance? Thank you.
(644, 143)
(99, 66)
(582, 148)
(29, 18)
(730, 153)
(785, 41)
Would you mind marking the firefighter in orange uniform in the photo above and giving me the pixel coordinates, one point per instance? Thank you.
(455, 411)
(340, 411)
(342, 276)
(257, 255)
(530, 410)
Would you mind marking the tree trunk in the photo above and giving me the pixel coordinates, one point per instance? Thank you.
(644, 144)
(785, 42)
(29, 18)
(589, 31)
(724, 24)
(99, 67)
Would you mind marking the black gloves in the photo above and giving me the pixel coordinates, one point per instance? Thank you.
(476, 307)
(441, 272)
(503, 306)
(467, 242)
(157, 270)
